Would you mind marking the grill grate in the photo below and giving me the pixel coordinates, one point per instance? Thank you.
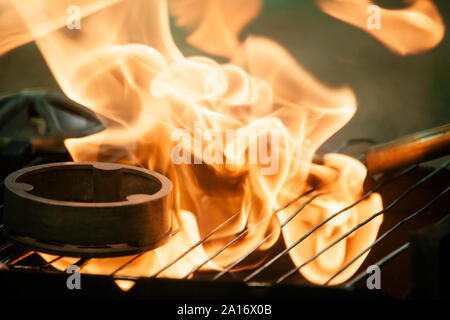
(11, 254)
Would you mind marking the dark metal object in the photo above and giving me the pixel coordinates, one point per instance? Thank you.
(44, 120)
(87, 209)
(14, 155)
(430, 265)
(419, 147)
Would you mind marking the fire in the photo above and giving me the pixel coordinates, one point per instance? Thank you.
(125, 66)
(342, 192)
(414, 29)
(215, 25)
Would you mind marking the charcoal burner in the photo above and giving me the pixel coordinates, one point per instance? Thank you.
(87, 209)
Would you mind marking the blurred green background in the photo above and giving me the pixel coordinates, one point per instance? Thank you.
(396, 94)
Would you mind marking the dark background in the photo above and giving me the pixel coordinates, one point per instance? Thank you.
(396, 94)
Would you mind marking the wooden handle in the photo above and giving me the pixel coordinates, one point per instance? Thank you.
(419, 147)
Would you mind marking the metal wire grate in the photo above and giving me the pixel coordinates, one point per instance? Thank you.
(12, 254)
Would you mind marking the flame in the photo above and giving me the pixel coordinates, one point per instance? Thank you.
(414, 29)
(340, 193)
(15, 31)
(125, 66)
(215, 24)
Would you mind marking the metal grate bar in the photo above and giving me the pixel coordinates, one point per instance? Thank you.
(5, 246)
(195, 245)
(390, 231)
(82, 262)
(217, 229)
(239, 237)
(113, 274)
(292, 216)
(380, 262)
(21, 257)
(142, 253)
(18, 252)
(397, 200)
(132, 278)
(375, 189)
(126, 263)
(49, 263)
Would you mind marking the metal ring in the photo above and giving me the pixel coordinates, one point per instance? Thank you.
(88, 209)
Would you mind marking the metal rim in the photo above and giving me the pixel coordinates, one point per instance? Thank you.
(136, 222)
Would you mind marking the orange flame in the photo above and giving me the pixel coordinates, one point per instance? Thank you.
(414, 29)
(124, 65)
(215, 24)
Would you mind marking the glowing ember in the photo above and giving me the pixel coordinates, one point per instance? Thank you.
(124, 65)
